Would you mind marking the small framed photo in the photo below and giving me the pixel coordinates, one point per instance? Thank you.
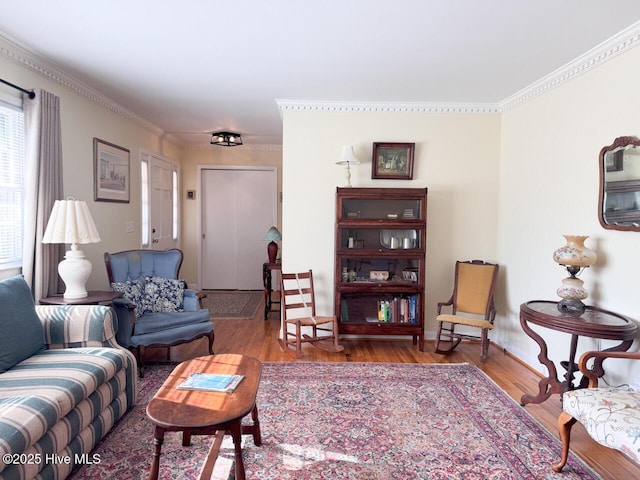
(392, 161)
(111, 172)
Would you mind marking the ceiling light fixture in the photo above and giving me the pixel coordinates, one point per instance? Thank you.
(226, 139)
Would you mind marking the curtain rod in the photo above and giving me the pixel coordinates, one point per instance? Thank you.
(31, 93)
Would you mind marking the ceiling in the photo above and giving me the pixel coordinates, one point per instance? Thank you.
(191, 67)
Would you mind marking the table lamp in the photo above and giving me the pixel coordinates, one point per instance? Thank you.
(348, 158)
(273, 235)
(576, 257)
(71, 223)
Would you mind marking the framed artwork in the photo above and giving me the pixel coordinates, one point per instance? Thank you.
(111, 172)
(392, 161)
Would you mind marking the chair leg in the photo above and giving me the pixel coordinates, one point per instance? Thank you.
(139, 352)
(438, 333)
(454, 341)
(565, 422)
(286, 344)
(299, 353)
(211, 337)
(484, 341)
(336, 345)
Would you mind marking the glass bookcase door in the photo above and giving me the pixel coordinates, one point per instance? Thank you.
(390, 270)
(400, 209)
(382, 240)
(380, 308)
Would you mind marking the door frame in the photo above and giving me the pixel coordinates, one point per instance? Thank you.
(199, 209)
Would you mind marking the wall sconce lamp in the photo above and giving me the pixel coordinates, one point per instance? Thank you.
(348, 158)
(226, 139)
(273, 235)
(71, 223)
(576, 257)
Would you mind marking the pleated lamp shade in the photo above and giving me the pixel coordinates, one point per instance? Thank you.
(71, 223)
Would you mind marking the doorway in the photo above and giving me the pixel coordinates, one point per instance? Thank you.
(238, 206)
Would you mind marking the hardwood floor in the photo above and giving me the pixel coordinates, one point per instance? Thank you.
(258, 338)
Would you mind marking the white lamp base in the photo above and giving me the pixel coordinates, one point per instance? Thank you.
(348, 175)
(75, 270)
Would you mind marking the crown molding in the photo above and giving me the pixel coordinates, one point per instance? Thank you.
(384, 107)
(607, 50)
(30, 60)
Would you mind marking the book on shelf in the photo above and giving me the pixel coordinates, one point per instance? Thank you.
(397, 310)
(211, 382)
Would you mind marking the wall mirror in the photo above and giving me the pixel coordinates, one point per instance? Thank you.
(619, 196)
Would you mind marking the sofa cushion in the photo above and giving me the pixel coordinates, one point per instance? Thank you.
(21, 334)
(611, 416)
(163, 294)
(159, 321)
(41, 390)
(132, 291)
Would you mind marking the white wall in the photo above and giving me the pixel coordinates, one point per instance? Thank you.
(456, 158)
(548, 187)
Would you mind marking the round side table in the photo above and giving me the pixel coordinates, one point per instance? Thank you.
(594, 322)
(95, 297)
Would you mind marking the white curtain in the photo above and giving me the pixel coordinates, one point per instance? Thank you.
(43, 186)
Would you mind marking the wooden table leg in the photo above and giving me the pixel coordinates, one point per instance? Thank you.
(266, 280)
(186, 438)
(158, 440)
(236, 434)
(548, 385)
(257, 436)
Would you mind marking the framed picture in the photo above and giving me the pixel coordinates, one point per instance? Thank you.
(392, 161)
(111, 178)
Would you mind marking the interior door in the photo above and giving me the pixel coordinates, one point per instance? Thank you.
(238, 206)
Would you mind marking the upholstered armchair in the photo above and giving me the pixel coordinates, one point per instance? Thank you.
(610, 415)
(156, 308)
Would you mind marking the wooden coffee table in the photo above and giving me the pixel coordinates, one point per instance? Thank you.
(195, 412)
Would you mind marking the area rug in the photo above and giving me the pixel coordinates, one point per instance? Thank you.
(356, 421)
(232, 303)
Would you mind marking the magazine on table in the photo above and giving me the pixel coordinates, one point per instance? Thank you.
(211, 382)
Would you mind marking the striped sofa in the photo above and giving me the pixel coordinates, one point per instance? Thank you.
(58, 403)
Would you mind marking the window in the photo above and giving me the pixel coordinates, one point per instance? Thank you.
(174, 193)
(11, 183)
(144, 180)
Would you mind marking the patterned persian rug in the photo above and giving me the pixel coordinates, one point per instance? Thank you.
(356, 421)
(232, 303)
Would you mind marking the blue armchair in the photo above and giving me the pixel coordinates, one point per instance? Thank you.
(156, 308)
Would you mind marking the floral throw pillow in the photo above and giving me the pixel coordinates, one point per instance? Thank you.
(163, 294)
(132, 291)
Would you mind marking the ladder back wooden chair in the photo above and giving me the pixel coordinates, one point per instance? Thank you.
(299, 310)
(471, 305)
